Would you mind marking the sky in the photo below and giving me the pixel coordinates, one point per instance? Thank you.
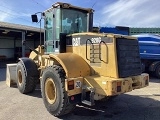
(108, 13)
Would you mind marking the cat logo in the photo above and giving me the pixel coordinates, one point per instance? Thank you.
(76, 41)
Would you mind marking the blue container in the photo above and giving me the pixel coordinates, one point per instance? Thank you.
(115, 30)
(149, 46)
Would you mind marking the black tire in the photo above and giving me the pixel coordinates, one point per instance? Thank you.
(53, 91)
(157, 71)
(25, 84)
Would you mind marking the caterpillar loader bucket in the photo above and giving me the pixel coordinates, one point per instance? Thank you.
(11, 75)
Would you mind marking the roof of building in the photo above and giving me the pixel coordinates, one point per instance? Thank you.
(15, 30)
(6, 25)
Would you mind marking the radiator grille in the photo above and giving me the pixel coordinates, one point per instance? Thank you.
(128, 57)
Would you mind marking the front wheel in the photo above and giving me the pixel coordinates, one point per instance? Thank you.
(53, 91)
(25, 80)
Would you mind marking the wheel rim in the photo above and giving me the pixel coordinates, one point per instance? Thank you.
(50, 90)
(19, 77)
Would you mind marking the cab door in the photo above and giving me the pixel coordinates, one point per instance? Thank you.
(49, 41)
(52, 30)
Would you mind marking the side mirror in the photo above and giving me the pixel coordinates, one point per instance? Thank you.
(34, 18)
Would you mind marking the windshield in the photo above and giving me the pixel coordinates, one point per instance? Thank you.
(73, 21)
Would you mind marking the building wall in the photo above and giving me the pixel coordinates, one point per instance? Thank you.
(135, 31)
(9, 53)
(7, 47)
(130, 31)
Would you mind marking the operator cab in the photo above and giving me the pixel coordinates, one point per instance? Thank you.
(63, 19)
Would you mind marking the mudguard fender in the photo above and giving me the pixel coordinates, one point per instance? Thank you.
(73, 64)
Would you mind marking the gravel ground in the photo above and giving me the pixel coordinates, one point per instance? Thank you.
(141, 104)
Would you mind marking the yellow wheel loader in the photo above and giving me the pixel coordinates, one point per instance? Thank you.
(76, 65)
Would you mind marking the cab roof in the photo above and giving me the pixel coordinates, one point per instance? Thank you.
(68, 5)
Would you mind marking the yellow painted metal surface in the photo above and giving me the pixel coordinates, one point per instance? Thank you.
(33, 55)
(38, 57)
(73, 64)
(102, 76)
(105, 34)
(107, 86)
(78, 82)
(108, 67)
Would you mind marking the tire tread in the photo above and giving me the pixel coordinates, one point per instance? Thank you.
(29, 82)
(66, 107)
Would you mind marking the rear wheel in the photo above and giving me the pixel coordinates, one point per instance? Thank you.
(25, 82)
(53, 91)
(157, 71)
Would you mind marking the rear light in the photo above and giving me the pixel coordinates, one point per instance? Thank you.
(119, 83)
(72, 98)
(119, 86)
(146, 78)
(71, 85)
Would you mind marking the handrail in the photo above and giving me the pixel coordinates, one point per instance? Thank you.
(86, 47)
(100, 49)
